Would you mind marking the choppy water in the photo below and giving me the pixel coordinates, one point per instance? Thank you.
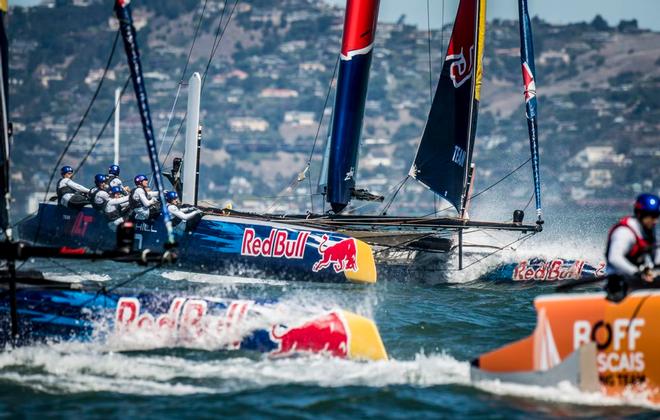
(431, 332)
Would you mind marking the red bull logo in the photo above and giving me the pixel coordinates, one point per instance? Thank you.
(276, 245)
(327, 334)
(530, 84)
(186, 320)
(341, 255)
(554, 270)
(460, 69)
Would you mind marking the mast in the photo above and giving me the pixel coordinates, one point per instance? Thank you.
(123, 11)
(444, 154)
(529, 81)
(352, 81)
(5, 196)
(190, 154)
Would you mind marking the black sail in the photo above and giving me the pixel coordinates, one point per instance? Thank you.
(445, 151)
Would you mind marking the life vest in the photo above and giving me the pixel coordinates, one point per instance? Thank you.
(132, 202)
(115, 213)
(644, 245)
(95, 205)
(62, 190)
(175, 220)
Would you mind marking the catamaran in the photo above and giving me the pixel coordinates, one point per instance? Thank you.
(227, 245)
(36, 309)
(443, 162)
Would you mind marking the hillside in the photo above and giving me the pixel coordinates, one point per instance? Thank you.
(598, 89)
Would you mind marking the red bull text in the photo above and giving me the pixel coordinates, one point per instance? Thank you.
(276, 245)
(341, 255)
(553, 270)
(187, 319)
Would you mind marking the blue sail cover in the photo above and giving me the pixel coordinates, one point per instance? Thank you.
(444, 154)
(123, 11)
(528, 72)
(352, 81)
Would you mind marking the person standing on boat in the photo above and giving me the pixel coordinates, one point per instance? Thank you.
(116, 208)
(143, 202)
(631, 246)
(69, 193)
(187, 217)
(115, 181)
(99, 195)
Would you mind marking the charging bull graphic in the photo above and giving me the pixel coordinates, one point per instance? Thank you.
(341, 255)
(327, 334)
(460, 69)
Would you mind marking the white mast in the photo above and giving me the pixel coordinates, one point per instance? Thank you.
(117, 103)
(190, 155)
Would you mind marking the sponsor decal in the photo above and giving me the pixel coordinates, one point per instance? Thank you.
(81, 224)
(622, 364)
(460, 69)
(276, 245)
(186, 320)
(530, 84)
(327, 334)
(145, 227)
(341, 255)
(553, 270)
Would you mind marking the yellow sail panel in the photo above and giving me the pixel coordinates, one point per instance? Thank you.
(3, 5)
(481, 42)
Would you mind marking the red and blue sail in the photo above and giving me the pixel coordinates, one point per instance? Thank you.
(352, 81)
(123, 11)
(444, 154)
(528, 74)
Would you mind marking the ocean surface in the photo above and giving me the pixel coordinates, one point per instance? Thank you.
(431, 331)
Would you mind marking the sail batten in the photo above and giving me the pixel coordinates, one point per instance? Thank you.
(444, 154)
(529, 82)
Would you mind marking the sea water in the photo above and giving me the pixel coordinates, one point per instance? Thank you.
(431, 331)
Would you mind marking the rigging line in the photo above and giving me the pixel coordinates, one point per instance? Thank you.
(105, 125)
(325, 104)
(182, 78)
(216, 43)
(169, 120)
(80, 124)
(101, 291)
(391, 200)
(522, 238)
(199, 23)
(85, 114)
(487, 188)
(428, 25)
(318, 131)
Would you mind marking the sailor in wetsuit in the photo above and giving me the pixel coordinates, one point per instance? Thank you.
(143, 202)
(182, 218)
(99, 195)
(632, 250)
(114, 181)
(69, 193)
(116, 208)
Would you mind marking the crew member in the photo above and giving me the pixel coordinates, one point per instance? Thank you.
(116, 208)
(631, 246)
(99, 195)
(69, 193)
(187, 218)
(115, 181)
(143, 202)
